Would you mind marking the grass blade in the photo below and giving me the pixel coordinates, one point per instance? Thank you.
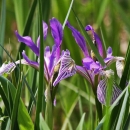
(24, 120)
(127, 125)
(41, 71)
(123, 15)
(66, 18)
(126, 69)
(112, 107)
(2, 27)
(101, 12)
(27, 27)
(5, 100)
(121, 116)
(80, 125)
(42, 124)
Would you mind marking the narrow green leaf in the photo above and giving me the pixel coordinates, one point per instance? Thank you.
(80, 125)
(2, 118)
(42, 123)
(127, 125)
(122, 83)
(2, 27)
(16, 105)
(27, 27)
(66, 18)
(126, 69)
(121, 116)
(18, 6)
(99, 126)
(68, 114)
(78, 90)
(41, 88)
(24, 120)
(101, 13)
(112, 107)
(90, 41)
(122, 14)
(46, 9)
(5, 100)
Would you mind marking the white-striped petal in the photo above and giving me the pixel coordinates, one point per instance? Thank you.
(101, 91)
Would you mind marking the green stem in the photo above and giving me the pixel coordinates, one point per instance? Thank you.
(98, 108)
(98, 104)
(49, 109)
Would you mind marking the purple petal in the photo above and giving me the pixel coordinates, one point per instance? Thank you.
(96, 38)
(31, 63)
(28, 41)
(85, 73)
(67, 68)
(90, 64)
(109, 55)
(101, 92)
(45, 28)
(56, 31)
(79, 39)
(50, 58)
(7, 68)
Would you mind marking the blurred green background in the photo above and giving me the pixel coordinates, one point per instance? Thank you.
(110, 19)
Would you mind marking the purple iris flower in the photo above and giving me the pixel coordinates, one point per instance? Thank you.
(91, 68)
(55, 62)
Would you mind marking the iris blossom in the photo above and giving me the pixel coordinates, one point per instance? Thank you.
(92, 70)
(57, 65)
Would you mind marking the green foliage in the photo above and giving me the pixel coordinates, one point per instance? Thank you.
(23, 103)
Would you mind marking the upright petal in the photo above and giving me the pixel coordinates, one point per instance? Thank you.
(28, 41)
(56, 31)
(79, 39)
(109, 55)
(67, 67)
(45, 28)
(97, 40)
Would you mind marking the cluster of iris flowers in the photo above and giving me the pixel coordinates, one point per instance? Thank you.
(59, 65)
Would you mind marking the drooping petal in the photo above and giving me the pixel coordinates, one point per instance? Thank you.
(7, 68)
(67, 67)
(101, 92)
(56, 31)
(45, 28)
(28, 41)
(79, 39)
(97, 40)
(31, 63)
(85, 73)
(89, 64)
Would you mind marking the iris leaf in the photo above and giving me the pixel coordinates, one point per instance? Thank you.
(2, 27)
(80, 125)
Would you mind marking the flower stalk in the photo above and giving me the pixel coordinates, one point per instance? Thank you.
(49, 107)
